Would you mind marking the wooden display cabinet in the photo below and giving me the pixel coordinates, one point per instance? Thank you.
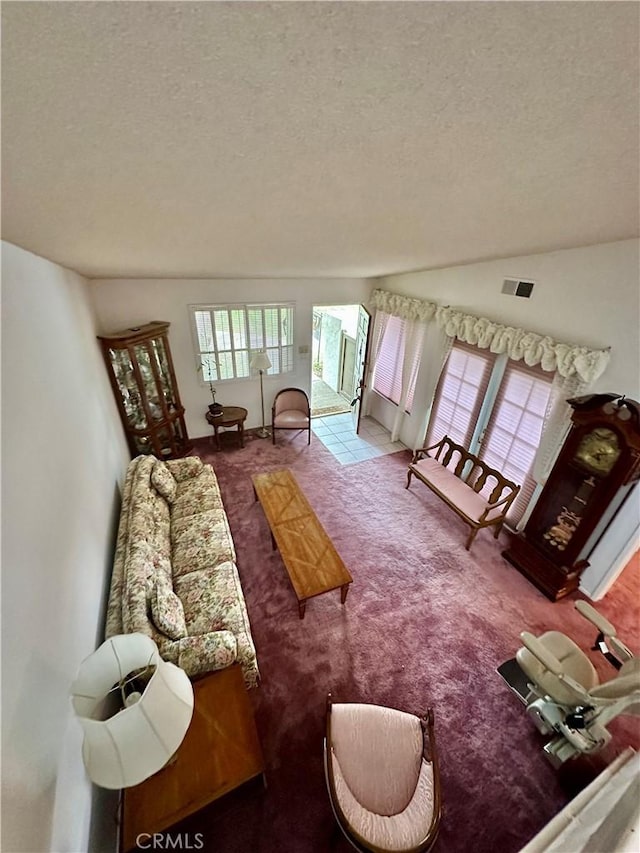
(144, 383)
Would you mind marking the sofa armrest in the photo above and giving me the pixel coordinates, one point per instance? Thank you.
(202, 652)
(185, 468)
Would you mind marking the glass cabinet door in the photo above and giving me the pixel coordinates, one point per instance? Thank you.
(143, 380)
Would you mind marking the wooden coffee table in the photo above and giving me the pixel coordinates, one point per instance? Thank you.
(220, 751)
(312, 563)
(229, 416)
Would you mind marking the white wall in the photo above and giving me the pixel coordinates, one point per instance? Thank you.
(63, 456)
(122, 303)
(588, 296)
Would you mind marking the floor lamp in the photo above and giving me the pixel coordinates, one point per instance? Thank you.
(261, 362)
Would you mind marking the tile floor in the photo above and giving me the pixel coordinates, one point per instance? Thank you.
(337, 434)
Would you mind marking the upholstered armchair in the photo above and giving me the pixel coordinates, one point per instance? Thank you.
(291, 410)
(381, 768)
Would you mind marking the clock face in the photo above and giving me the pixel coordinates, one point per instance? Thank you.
(599, 450)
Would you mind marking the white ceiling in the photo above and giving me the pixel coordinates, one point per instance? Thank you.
(316, 139)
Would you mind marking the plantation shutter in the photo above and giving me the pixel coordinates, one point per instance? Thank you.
(387, 379)
(514, 429)
(460, 394)
(415, 364)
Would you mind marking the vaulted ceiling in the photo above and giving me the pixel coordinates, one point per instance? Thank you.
(315, 139)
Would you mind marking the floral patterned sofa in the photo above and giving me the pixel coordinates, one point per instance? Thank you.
(174, 574)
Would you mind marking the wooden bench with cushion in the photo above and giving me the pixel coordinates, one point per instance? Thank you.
(457, 477)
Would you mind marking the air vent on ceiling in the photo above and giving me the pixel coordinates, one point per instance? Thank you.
(517, 287)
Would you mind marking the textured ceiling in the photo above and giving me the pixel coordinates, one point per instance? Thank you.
(319, 139)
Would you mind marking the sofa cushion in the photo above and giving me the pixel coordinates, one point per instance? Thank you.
(199, 541)
(186, 468)
(200, 494)
(167, 611)
(210, 599)
(164, 481)
(213, 601)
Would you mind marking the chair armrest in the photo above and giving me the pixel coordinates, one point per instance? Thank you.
(489, 507)
(590, 613)
(548, 660)
(424, 451)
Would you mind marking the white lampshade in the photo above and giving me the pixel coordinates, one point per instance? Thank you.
(260, 361)
(138, 740)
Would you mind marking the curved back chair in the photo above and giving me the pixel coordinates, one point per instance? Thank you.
(382, 775)
(291, 410)
(566, 697)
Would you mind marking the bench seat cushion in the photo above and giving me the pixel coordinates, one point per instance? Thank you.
(458, 493)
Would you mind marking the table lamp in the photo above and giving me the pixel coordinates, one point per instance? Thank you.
(153, 702)
(261, 362)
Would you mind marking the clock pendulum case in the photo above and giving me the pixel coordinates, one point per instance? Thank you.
(595, 472)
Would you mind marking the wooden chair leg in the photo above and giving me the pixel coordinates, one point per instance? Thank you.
(409, 478)
(471, 537)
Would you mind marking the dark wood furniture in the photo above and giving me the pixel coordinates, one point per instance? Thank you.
(220, 751)
(595, 472)
(144, 383)
(309, 556)
(228, 417)
(434, 472)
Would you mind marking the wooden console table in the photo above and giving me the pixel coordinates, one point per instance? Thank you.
(309, 556)
(220, 751)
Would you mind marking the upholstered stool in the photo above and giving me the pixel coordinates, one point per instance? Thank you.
(382, 775)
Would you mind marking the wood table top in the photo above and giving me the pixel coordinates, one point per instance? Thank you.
(312, 562)
(220, 751)
(230, 416)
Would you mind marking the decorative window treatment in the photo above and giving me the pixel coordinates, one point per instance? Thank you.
(387, 377)
(413, 347)
(519, 344)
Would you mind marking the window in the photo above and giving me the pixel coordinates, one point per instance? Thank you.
(495, 407)
(387, 378)
(460, 394)
(228, 336)
(513, 432)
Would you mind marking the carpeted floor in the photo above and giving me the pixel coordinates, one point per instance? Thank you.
(426, 623)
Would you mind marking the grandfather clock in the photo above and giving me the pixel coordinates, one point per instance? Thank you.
(597, 468)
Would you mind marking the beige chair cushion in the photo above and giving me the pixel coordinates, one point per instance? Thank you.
(574, 663)
(379, 751)
(291, 419)
(403, 831)
(383, 786)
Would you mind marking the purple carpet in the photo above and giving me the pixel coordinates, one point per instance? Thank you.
(426, 623)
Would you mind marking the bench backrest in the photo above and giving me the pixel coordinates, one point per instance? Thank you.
(473, 471)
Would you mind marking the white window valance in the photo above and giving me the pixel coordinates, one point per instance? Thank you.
(519, 344)
(403, 306)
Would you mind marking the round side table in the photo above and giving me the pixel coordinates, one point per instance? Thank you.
(230, 416)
